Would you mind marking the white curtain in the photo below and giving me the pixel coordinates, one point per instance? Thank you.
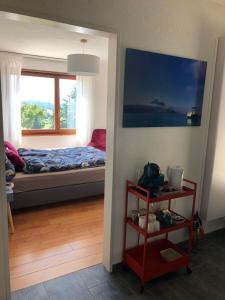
(10, 68)
(84, 109)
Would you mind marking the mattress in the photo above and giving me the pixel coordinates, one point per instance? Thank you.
(31, 182)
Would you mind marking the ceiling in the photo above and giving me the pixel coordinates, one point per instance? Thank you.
(44, 40)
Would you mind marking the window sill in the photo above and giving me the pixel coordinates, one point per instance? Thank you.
(44, 132)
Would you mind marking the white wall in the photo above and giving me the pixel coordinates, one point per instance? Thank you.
(100, 101)
(43, 64)
(213, 204)
(185, 28)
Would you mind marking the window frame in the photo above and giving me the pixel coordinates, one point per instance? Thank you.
(57, 130)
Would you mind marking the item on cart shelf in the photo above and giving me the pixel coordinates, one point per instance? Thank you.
(168, 189)
(159, 181)
(142, 220)
(142, 212)
(153, 224)
(197, 231)
(164, 218)
(175, 177)
(165, 190)
(151, 227)
(177, 219)
(151, 217)
(197, 223)
(151, 172)
(170, 254)
(157, 225)
(151, 178)
(134, 215)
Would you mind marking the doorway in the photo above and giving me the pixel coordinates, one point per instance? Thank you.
(110, 148)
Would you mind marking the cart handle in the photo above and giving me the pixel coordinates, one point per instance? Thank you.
(132, 184)
(191, 182)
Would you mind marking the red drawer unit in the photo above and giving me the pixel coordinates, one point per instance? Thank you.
(145, 258)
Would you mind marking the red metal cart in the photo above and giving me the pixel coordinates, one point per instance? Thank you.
(145, 258)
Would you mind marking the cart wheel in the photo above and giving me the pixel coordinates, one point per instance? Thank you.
(188, 270)
(142, 289)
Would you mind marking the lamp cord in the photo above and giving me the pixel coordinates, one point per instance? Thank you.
(83, 41)
(83, 47)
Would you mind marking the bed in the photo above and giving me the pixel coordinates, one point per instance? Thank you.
(51, 187)
(55, 175)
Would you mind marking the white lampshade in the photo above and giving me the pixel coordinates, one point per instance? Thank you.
(83, 64)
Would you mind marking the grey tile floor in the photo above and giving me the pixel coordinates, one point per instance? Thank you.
(207, 282)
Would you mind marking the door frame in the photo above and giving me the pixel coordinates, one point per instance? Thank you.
(4, 258)
(112, 105)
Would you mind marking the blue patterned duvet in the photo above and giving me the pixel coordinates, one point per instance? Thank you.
(39, 161)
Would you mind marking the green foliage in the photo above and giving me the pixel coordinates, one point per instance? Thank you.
(35, 117)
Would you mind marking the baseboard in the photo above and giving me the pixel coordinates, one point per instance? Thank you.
(214, 225)
(117, 267)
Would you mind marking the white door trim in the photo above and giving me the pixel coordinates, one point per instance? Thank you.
(110, 147)
(4, 269)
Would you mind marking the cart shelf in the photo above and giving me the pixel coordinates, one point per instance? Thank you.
(145, 194)
(174, 227)
(155, 265)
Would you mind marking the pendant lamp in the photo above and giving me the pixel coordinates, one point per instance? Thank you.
(83, 64)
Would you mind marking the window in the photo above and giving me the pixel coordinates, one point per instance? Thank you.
(48, 103)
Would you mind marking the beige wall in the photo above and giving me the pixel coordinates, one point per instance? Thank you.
(187, 28)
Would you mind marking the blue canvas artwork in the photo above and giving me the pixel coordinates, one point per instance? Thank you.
(162, 90)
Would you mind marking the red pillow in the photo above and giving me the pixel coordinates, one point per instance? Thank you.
(98, 139)
(101, 141)
(13, 156)
(10, 146)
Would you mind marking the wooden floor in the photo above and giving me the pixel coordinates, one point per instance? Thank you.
(55, 240)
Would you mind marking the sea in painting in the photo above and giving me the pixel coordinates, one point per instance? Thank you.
(162, 90)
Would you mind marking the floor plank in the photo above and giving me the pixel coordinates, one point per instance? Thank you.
(55, 240)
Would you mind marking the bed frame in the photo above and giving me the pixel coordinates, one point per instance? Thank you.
(57, 194)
